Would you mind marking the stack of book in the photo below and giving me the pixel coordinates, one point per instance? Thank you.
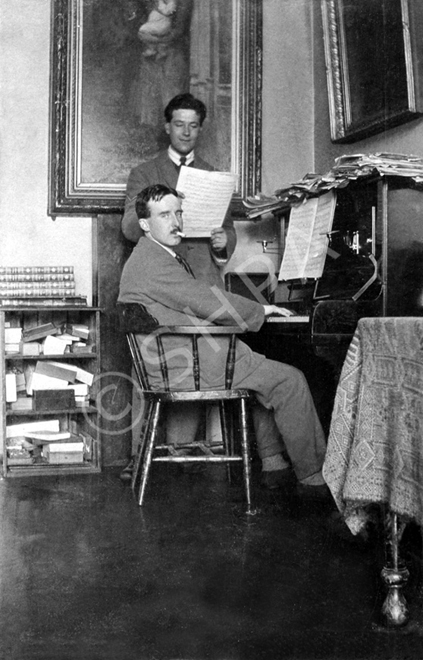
(58, 385)
(12, 338)
(57, 448)
(20, 450)
(26, 286)
(48, 339)
(44, 442)
(78, 335)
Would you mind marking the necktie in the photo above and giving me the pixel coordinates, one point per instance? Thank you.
(184, 264)
(183, 160)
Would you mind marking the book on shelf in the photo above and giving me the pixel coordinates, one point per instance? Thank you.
(78, 330)
(82, 401)
(37, 277)
(32, 292)
(42, 381)
(38, 381)
(12, 335)
(69, 452)
(48, 287)
(39, 332)
(50, 399)
(87, 439)
(80, 389)
(43, 301)
(79, 374)
(20, 381)
(58, 370)
(52, 345)
(19, 456)
(34, 270)
(11, 389)
(32, 348)
(43, 437)
(19, 430)
(19, 441)
(10, 349)
(22, 403)
(82, 347)
(67, 338)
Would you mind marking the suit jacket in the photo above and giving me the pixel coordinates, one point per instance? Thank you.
(154, 278)
(197, 251)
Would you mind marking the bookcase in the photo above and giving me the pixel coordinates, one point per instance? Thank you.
(81, 420)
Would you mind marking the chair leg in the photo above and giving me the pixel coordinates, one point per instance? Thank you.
(148, 449)
(141, 443)
(226, 435)
(245, 448)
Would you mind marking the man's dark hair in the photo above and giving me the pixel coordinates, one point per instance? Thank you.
(185, 102)
(153, 193)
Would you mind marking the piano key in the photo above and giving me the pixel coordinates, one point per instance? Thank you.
(296, 318)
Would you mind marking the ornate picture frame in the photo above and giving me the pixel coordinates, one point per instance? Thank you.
(102, 123)
(374, 60)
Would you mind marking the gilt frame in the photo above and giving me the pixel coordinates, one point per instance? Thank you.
(374, 60)
(70, 193)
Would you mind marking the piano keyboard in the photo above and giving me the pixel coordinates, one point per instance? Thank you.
(296, 318)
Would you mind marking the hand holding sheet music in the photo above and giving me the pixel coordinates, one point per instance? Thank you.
(207, 196)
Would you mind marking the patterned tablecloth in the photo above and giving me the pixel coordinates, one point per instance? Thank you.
(375, 446)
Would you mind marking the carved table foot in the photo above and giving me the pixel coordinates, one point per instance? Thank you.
(395, 575)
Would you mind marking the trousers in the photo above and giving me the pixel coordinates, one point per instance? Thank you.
(285, 422)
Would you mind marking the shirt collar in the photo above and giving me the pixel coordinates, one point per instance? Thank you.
(176, 158)
(165, 247)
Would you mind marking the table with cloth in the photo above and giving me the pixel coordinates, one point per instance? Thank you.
(375, 445)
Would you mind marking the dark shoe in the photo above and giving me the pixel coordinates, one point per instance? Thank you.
(126, 474)
(277, 479)
(321, 492)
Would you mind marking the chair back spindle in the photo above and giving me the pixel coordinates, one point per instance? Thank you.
(136, 322)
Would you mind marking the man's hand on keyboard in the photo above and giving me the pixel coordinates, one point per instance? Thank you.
(274, 310)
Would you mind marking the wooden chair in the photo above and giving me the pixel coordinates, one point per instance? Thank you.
(135, 320)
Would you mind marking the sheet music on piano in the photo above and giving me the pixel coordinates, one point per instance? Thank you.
(307, 238)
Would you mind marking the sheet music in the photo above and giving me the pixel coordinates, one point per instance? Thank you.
(207, 199)
(307, 238)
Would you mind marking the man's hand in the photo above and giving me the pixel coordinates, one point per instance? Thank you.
(274, 310)
(218, 239)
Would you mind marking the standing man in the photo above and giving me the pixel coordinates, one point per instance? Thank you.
(184, 117)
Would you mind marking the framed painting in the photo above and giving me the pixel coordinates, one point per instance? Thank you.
(109, 88)
(374, 63)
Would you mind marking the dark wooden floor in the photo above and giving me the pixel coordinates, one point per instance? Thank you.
(86, 574)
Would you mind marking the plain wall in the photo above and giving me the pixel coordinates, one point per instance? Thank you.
(29, 236)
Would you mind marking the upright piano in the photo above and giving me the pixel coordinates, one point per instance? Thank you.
(374, 267)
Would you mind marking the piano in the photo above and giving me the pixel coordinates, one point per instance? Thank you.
(374, 268)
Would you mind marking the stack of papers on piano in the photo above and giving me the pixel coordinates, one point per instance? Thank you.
(347, 168)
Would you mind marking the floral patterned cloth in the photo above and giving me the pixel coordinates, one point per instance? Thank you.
(375, 446)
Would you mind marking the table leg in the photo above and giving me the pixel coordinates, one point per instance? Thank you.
(394, 574)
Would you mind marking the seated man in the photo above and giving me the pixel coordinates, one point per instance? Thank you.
(155, 278)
